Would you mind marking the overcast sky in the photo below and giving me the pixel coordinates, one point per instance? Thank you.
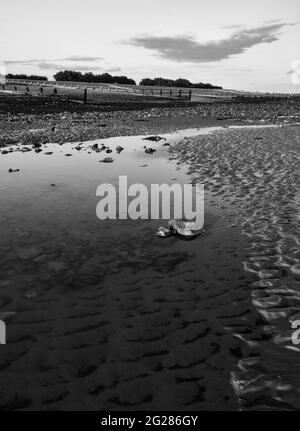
(238, 44)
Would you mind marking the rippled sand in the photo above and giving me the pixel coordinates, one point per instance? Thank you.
(258, 173)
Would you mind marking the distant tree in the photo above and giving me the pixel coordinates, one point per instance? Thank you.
(24, 76)
(180, 82)
(70, 75)
(147, 81)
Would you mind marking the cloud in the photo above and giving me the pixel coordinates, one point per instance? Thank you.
(65, 63)
(44, 65)
(185, 48)
(81, 58)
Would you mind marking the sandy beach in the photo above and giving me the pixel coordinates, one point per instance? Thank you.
(103, 315)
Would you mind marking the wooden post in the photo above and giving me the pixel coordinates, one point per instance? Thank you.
(85, 96)
(190, 94)
(16, 89)
(55, 91)
(41, 90)
(170, 93)
(180, 93)
(160, 93)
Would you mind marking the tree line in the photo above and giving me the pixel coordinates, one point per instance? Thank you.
(106, 78)
(180, 82)
(24, 76)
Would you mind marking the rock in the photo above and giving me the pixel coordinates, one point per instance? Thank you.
(13, 170)
(29, 252)
(185, 229)
(155, 138)
(25, 149)
(119, 149)
(108, 150)
(38, 150)
(163, 232)
(68, 155)
(48, 153)
(78, 148)
(36, 145)
(94, 147)
(4, 152)
(107, 160)
(150, 150)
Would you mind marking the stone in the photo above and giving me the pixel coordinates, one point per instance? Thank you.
(163, 232)
(107, 160)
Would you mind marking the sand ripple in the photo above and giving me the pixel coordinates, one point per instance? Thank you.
(258, 173)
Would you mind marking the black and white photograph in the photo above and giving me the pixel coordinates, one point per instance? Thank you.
(149, 209)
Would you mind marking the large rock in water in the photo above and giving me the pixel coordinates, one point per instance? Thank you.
(90, 272)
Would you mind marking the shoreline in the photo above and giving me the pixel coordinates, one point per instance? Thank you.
(49, 120)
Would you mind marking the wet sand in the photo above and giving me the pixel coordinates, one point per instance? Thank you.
(104, 315)
(258, 173)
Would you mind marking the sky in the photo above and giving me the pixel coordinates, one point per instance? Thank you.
(238, 44)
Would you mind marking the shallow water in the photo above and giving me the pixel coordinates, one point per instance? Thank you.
(104, 314)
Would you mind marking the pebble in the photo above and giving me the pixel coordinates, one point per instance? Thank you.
(107, 160)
